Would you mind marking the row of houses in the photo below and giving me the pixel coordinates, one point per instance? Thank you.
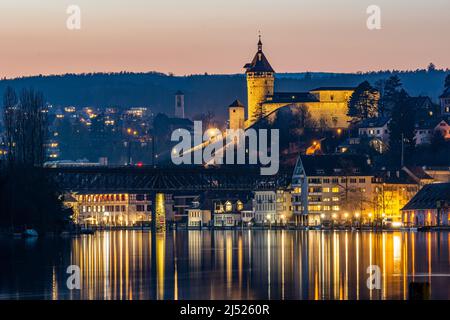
(325, 190)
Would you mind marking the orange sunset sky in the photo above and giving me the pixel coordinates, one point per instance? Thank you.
(219, 36)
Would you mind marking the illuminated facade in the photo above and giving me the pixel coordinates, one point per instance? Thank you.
(120, 209)
(272, 206)
(429, 207)
(327, 105)
(331, 188)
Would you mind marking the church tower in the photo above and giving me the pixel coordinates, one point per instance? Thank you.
(179, 104)
(260, 83)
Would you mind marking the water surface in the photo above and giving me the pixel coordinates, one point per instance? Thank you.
(225, 265)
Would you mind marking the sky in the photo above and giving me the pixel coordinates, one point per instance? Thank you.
(220, 36)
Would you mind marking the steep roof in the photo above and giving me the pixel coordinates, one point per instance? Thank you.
(259, 62)
(428, 197)
(374, 122)
(236, 103)
(335, 165)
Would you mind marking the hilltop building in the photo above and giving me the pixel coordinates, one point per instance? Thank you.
(328, 105)
(445, 102)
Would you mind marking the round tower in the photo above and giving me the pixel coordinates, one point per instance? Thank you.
(260, 84)
(236, 112)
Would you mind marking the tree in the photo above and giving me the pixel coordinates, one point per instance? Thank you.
(401, 125)
(25, 127)
(431, 67)
(363, 103)
(27, 197)
(447, 82)
(391, 89)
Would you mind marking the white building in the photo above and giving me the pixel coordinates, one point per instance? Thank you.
(424, 133)
(272, 206)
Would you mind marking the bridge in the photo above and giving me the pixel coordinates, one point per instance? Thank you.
(167, 179)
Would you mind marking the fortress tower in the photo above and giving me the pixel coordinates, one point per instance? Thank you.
(260, 84)
(236, 115)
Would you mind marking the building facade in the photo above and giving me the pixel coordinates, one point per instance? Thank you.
(327, 105)
(118, 209)
(429, 207)
(331, 188)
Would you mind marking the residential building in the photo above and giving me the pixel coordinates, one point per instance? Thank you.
(377, 131)
(392, 191)
(425, 131)
(199, 216)
(429, 207)
(331, 188)
(228, 213)
(445, 102)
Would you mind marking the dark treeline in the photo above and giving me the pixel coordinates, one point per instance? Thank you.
(27, 198)
(203, 92)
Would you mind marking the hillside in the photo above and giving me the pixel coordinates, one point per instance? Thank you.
(203, 92)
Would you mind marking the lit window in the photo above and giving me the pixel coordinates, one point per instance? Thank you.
(228, 206)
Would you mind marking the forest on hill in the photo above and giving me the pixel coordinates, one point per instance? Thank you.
(202, 92)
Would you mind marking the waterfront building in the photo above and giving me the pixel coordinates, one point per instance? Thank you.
(392, 191)
(228, 213)
(429, 207)
(117, 209)
(328, 105)
(199, 216)
(272, 206)
(331, 188)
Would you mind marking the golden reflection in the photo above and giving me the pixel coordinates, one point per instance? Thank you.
(252, 264)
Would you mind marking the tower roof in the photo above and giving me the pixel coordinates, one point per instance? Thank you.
(259, 62)
(236, 103)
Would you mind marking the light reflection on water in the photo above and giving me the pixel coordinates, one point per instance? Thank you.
(226, 265)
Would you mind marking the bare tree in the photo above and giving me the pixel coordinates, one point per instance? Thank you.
(25, 126)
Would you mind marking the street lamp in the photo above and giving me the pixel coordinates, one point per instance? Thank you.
(270, 221)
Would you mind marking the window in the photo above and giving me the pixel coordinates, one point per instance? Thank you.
(352, 180)
(228, 206)
(239, 205)
(335, 198)
(362, 180)
(335, 189)
(326, 180)
(140, 208)
(335, 208)
(326, 189)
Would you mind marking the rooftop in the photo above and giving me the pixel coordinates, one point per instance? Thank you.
(333, 89)
(374, 122)
(259, 62)
(335, 165)
(428, 197)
